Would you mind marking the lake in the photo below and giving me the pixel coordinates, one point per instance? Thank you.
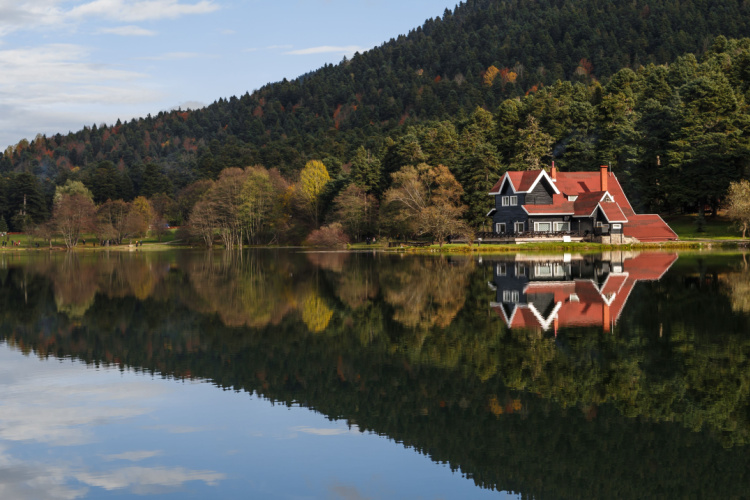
(291, 374)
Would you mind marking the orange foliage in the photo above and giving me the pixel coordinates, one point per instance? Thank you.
(258, 111)
(438, 78)
(336, 114)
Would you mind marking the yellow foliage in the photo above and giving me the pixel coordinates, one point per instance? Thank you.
(495, 407)
(512, 77)
(490, 75)
(315, 313)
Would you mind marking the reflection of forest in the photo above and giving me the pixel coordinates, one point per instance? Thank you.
(408, 348)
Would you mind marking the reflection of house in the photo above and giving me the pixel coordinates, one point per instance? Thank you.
(553, 292)
(578, 204)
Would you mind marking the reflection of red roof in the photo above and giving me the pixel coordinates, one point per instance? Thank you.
(648, 227)
(612, 212)
(582, 302)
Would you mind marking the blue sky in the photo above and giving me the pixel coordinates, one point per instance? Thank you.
(69, 63)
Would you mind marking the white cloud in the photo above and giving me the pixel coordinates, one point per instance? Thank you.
(174, 56)
(174, 429)
(133, 456)
(15, 16)
(141, 480)
(127, 31)
(275, 47)
(144, 10)
(326, 49)
(326, 432)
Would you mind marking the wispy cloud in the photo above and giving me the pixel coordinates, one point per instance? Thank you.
(132, 456)
(174, 56)
(127, 31)
(279, 47)
(143, 10)
(326, 49)
(325, 431)
(60, 14)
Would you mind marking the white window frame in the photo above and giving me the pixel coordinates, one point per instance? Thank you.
(537, 230)
(572, 197)
(513, 201)
(520, 269)
(561, 226)
(501, 269)
(598, 223)
(506, 201)
(616, 226)
(516, 225)
(500, 227)
(511, 296)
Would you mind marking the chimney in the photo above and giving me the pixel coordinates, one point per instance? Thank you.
(604, 174)
(553, 172)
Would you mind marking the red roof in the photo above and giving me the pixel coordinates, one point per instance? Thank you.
(521, 181)
(613, 212)
(648, 227)
(587, 202)
(580, 183)
(560, 205)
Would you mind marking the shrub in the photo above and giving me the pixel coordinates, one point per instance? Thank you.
(328, 236)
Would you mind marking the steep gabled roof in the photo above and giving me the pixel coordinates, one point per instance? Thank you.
(612, 212)
(522, 182)
(581, 183)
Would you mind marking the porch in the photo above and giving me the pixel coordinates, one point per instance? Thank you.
(529, 237)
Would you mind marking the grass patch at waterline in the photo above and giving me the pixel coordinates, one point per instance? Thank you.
(715, 228)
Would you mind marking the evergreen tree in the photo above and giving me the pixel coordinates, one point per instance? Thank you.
(365, 170)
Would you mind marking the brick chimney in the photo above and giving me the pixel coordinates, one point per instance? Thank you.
(553, 172)
(604, 175)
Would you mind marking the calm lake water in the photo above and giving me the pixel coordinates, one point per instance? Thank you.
(274, 374)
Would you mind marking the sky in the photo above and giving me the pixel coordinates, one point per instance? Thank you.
(69, 63)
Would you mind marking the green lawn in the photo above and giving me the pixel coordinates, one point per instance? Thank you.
(717, 228)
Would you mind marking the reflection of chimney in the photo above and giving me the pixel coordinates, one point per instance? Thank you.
(553, 172)
(605, 317)
(604, 174)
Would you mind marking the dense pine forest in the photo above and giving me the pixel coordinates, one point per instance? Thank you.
(656, 89)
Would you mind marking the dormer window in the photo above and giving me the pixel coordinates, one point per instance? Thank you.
(572, 197)
(607, 198)
(510, 201)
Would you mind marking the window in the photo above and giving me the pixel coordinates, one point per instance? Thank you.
(518, 227)
(500, 227)
(520, 270)
(562, 226)
(598, 223)
(543, 227)
(511, 296)
(501, 269)
(572, 197)
(506, 201)
(513, 201)
(616, 226)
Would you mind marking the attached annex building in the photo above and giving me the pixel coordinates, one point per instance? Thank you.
(591, 205)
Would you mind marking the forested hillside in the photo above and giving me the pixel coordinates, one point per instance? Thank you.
(486, 87)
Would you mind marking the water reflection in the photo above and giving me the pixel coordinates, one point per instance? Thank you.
(549, 292)
(586, 371)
